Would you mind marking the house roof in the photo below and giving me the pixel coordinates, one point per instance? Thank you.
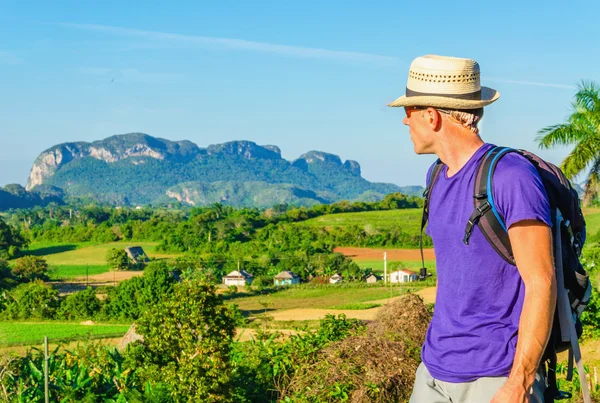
(286, 274)
(239, 274)
(336, 276)
(373, 275)
(136, 252)
(404, 271)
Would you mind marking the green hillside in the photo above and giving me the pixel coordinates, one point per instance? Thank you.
(137, 168)
(409, 219)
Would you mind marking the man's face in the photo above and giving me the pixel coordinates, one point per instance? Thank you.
(419, 122)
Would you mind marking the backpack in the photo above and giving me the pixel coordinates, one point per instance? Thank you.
(568, 234)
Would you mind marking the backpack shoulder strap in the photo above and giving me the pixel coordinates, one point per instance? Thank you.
(486, 215)
(434, 172)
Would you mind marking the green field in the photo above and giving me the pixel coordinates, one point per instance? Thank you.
(71, 259)
(592, 220)
(408, 219)
(25, 333)
(320, 298)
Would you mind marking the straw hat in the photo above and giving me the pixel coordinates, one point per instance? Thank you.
(445, 82)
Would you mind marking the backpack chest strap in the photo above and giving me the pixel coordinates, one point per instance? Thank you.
(486, 215)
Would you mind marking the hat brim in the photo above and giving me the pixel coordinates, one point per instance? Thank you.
(488, 95)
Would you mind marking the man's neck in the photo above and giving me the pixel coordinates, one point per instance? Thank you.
(456, 153)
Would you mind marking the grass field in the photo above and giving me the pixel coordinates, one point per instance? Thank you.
(592, 220)
(323, 298)
(71, 259)
(408, 219)
(24, 333)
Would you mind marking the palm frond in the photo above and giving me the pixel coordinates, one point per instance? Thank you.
(586, 151)
(562, 134)
(588, 96)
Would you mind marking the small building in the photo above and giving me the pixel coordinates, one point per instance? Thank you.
(403, 276)
(372, 278)
(286, 277)
(136, 254)
(335, 279)
(241, 277)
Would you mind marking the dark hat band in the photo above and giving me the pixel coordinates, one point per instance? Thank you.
(475, 96)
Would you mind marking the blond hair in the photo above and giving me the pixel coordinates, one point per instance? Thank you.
(466, 118)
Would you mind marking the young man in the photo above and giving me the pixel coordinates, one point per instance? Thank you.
(492, 320)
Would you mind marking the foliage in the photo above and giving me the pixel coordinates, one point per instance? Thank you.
(582, 130)
(80, 305)
(11, 241)
(187, 341)
(118, 259)
(32, 300)
(132, 297)
(29, 268)
(88, 374)
(264, 367)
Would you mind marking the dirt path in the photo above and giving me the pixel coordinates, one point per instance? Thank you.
(392, 254)
(316, 314)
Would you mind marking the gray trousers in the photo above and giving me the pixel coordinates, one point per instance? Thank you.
(430, 390)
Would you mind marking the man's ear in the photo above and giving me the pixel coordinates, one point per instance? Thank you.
(434, 119)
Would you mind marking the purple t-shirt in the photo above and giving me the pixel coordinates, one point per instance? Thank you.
(473, 332)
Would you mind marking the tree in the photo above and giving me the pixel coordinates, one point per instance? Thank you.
(187, 343)
(31, 268)
(80, 305)
(11, 241)
(34, 300)
(118, 259)
(582, 130)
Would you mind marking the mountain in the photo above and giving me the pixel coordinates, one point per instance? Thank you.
(137, 168)
(15, 196)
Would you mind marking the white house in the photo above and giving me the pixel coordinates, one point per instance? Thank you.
(241, 277)
(286, 277)
(335, 279)
(403, 276)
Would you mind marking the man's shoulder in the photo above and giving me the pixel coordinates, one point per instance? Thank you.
(514, 166)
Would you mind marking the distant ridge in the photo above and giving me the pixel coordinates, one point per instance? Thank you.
(137, 168)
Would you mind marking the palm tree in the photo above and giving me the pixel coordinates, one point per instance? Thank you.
(582, 130)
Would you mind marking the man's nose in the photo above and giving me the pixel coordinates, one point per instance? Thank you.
(405, 121)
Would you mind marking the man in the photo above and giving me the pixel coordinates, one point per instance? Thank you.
(492, 320)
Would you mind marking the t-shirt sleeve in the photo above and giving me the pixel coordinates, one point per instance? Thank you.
(518, 191)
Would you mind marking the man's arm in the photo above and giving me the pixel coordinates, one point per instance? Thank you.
(531, 243)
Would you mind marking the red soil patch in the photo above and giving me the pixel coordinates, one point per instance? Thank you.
(392, 254)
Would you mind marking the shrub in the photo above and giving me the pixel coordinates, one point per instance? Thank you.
(187, 342)
(32, 300)
(118, 259)
(80, 305)
(31, 268)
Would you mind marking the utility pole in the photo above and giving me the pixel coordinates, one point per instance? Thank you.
(384, 267)
(46, 358)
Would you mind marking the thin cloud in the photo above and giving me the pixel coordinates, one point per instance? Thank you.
(128, 75)
(531, 83)
(238, 44)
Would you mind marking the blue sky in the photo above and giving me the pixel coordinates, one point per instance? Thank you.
(310, 75)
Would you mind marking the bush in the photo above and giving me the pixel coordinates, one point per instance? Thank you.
(80, 305)
(117, 258)
(187, 342)
(34, 300)
(31, 268)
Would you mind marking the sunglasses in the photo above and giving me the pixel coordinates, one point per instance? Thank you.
(410, 109)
